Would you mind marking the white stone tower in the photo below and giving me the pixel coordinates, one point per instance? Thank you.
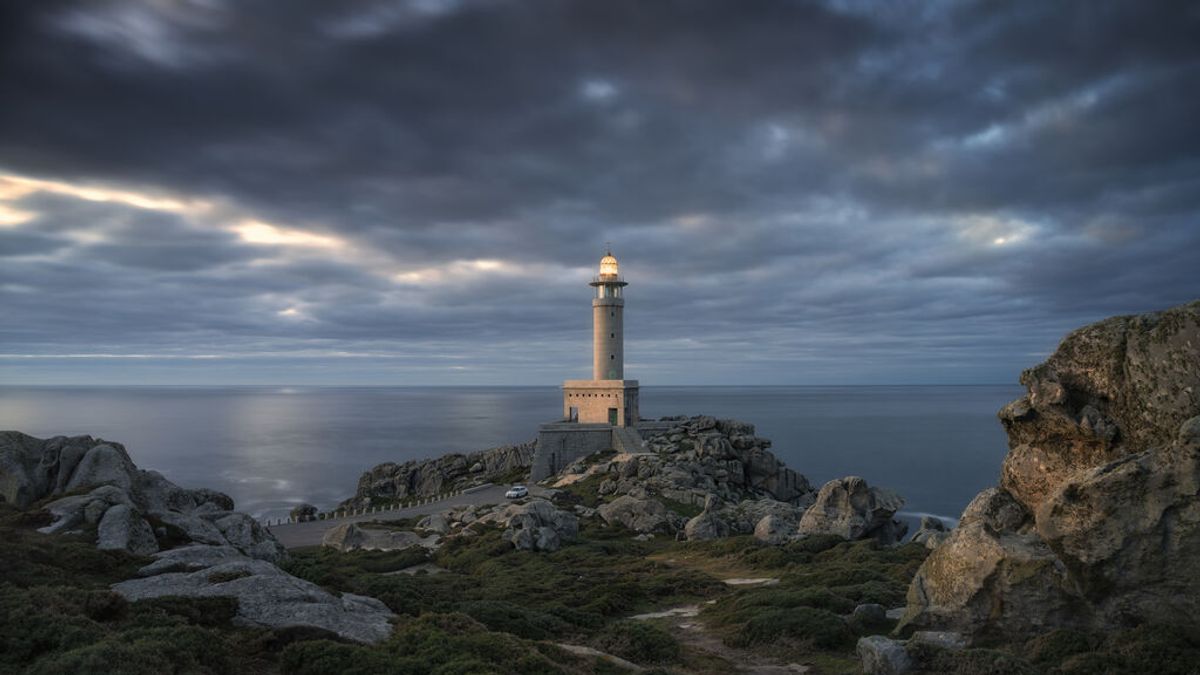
(600, 413)
(608, 322)
(608, 398)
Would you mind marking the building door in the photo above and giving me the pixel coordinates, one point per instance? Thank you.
(612, 416)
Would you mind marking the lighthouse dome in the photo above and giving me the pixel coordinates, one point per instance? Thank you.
(608, 266)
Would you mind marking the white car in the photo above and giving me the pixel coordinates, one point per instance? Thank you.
(516, 492)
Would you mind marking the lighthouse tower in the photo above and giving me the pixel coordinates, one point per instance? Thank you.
(607, 398)
(608, 322)
(600, 413)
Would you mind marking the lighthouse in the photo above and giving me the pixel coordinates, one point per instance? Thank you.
(608, 322)
(600, 413)
(608, 398)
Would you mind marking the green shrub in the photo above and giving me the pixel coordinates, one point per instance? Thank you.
(742, 607)
(511, 618)
(1166, 649)
(151, 651)
(319, 657)
(1056, 646)
(816, 627)
(208, 612)
(639, 642)
(933, 659)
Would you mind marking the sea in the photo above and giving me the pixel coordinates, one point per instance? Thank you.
(272, 447)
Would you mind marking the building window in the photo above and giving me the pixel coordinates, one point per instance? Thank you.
(612, 357)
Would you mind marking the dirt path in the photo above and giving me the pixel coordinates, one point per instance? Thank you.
(683, 622)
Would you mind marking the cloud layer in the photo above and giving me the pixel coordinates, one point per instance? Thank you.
(380, 192)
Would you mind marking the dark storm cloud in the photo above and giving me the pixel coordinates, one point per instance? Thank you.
(800, 191)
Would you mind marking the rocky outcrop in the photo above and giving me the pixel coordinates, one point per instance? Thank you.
(415, 479)
(640, 515)
(122, 528)
(354, 537)
(851, 509)
(1096, 521)
(931, 533)
(883, 656)
(266, 595)
(707, 525)
(128, 508)
(700, 456)
(141, 511)
(536, 525)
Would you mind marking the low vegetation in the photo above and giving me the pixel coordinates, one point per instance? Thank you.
(479, 606)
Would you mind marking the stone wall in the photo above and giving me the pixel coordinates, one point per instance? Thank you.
(560, 444)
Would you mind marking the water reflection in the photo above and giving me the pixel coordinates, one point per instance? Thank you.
(272, 447)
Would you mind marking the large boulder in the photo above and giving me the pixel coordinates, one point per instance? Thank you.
(883, 656)
(122, 528)
(851, 509)
(992, 570)
(354, 537)
(1096, 522)
(707, 525)
(639, 515)
(932, 532)
(267, 596)
(536, 525)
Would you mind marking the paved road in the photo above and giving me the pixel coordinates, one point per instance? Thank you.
(296, 535)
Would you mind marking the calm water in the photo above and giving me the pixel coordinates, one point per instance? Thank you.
(272, 447)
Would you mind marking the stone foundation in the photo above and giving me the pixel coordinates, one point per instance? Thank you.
(562, 443)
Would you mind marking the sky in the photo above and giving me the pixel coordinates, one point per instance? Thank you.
(413, 193)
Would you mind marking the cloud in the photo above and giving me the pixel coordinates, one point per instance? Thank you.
(798, 192)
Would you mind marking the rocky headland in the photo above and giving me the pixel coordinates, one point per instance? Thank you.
(696, 478)
(389, 483)
(191, 543)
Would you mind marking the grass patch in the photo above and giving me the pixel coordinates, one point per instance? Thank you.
(588, 490)
(600, 577)
(640, 642)
(807, 626)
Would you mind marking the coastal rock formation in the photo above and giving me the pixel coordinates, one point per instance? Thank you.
(1096, 521)
(354, 537)
(707, 525)
(700, 456)
(415, 479)
(851, 509)
(266, 595)
(744, 488)
(640, 515)
(536, 525)
(931, 533)
(128, 508)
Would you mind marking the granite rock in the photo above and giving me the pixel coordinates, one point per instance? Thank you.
(1096, 521)
(851, 509)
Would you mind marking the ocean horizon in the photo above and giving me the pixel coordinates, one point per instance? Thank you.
(271, 447)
